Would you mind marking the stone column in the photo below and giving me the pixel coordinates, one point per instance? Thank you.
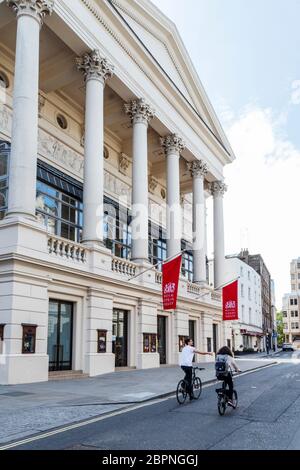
(173, 145)
(140, 114)
(198, 171)
(24, 147)
(218, 189)
(96, 71)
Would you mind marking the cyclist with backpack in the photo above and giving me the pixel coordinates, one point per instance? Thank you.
(224, 365)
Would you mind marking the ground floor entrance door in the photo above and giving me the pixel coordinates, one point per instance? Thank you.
(60, 332)
(161, 339)
(192, 330)
(120, 337)
(215, 337)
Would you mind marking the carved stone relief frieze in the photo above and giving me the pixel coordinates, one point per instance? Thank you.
(55, 150)
(152, 184)
(123, 163)
(5, 119)
(116, 186)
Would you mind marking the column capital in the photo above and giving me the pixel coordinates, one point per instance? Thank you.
(94, 66)
(197, 168)
(218, 188)
(38, 9)
(139, 111)
(172, 143)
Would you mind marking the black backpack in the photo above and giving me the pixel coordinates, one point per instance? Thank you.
(221, 366)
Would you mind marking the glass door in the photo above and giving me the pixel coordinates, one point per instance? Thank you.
(120, 337)
(161, 338)
(215, 337)
(60, 331)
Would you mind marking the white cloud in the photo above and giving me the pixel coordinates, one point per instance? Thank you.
(295, 96)
(261, 205)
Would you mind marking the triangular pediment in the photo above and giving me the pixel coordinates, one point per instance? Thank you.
(159, 37)
(160, 51)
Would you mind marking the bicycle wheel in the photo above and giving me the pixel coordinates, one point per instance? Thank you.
(221, 405)
(197, 387)
(181, 392)
(234, 399)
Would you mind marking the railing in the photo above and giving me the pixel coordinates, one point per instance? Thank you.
(67, 249)
(123, 266)
(158, 277)
(194, 288)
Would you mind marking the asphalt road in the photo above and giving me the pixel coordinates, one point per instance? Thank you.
(267, 417)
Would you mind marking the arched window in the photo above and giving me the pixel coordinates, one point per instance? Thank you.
(4, 162)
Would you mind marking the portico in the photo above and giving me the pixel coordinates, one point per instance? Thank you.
(105, 128)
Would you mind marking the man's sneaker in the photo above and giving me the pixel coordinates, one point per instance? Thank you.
(230, 403)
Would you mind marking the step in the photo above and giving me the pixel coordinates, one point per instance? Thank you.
(66, 375)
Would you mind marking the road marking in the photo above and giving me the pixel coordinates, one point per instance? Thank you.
(110, 415)
(81, 424)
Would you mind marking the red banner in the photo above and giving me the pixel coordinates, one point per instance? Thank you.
(230, 301)
(170, 278)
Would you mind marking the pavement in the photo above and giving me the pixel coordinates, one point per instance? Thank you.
(29, 409)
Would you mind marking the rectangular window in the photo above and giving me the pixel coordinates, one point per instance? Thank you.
(28, 339)
(187, 265)
(59, 212)
(249, 293)
(292, 313)
(149, 342)
(117, 229)
(242, 271)
(295, 301)
(284, 314)
(296, 326)
(291, 301)
(101, 341)
(1, 338)
(4, 163)
(208, 344)
(296, 313)
(249, 275)
(228, 344)
(298, 275)
(242, 290)
(285, 326)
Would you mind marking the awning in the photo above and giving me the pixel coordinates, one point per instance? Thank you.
(251, 333)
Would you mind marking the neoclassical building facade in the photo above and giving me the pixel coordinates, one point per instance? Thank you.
(109, 149)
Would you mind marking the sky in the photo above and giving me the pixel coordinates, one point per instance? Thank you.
(246, 53)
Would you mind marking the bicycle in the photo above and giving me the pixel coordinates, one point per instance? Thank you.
(181, 391)
(223, 399)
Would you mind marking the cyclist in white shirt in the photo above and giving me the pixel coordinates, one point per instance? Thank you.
(186, 363)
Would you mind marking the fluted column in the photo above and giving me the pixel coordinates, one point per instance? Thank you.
(173, 145)
(24, 144)
(96, 71)
(218, 189)
(140, 113)
(198, 170)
